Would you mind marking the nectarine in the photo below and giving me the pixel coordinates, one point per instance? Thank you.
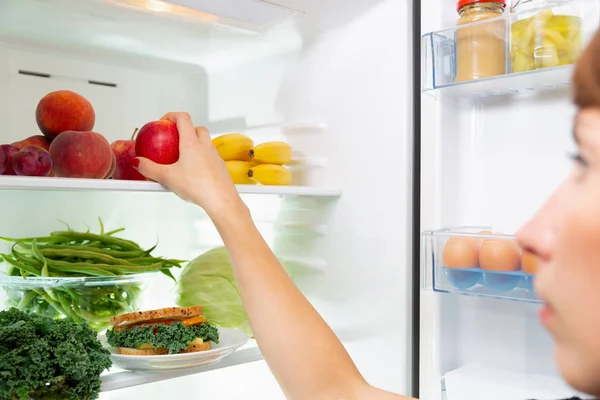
(62, 111)
(36, 140)
(81, 155)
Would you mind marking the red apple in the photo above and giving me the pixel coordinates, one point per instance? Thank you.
(9, 151)
(32, 161)
(124, 151)
(159, 142)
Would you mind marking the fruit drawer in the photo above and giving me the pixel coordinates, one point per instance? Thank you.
(491, 52)
(475, 261)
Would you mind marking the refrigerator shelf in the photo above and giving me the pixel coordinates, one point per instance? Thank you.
(464, 268)
(516, 53)
(75, 184)
(120, 379)
(530, 82)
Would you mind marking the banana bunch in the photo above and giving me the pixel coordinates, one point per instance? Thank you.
(247, 164)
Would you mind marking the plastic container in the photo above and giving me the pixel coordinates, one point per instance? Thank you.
(480, 48)
(465, 261)
(91, 299)
(545, 33)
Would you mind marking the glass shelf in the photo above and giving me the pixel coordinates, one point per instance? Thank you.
(74, 184)
(516, 53)
(469, 262)
(117, 379)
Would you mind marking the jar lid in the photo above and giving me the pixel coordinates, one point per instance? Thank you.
(462, 3)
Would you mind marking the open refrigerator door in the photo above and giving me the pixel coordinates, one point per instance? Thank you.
(319, 76)
(496, 119)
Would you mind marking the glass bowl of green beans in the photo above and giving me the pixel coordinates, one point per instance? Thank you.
(86, 277)
(93, 300)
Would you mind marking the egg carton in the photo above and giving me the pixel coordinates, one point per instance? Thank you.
(475, 261)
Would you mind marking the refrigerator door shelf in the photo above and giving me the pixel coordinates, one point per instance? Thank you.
(474, 382)
(516, 53)
(76, 184)
(464, 261)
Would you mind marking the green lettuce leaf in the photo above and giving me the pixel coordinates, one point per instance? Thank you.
(208, 281)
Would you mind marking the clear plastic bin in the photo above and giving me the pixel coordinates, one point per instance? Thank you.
(469, 261)
(546, 36)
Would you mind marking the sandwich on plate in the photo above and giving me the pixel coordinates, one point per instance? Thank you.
(172, 330)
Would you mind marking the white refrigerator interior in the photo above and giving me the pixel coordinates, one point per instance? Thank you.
(492, 152)
(332, 78)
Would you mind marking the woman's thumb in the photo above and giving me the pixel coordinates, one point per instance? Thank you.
(149, 168)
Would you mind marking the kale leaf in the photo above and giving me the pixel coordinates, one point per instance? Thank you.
(42, 358)
(175, 337)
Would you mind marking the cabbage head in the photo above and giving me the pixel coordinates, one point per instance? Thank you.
(208, 281)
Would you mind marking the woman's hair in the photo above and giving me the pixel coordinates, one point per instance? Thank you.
(586, 79)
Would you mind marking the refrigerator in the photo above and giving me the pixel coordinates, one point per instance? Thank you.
(392, 158)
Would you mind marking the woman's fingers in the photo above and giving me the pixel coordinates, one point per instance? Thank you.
(187, 132)
(202, 134)
(150, 169)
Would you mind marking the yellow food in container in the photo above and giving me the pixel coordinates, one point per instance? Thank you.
(545, 40)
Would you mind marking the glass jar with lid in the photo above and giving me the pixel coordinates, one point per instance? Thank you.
(481, 47)
(545, 33)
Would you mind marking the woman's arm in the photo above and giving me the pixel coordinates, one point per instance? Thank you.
(305, 356)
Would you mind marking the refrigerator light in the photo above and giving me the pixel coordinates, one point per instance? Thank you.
(246, 14)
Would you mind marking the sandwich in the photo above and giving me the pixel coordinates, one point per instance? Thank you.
(172, 330)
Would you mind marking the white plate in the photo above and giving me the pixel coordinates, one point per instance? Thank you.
(229, 341)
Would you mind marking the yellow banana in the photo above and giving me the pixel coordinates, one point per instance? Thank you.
(279, 153)
(270, 174)
(239, 171)
(233, 146)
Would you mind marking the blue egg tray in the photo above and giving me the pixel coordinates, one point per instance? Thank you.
(513, 285)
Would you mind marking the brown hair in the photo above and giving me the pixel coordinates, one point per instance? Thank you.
(586, 78)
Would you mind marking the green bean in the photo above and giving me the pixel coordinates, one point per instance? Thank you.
(122, 254)
(83, 255)
(52, 239)
(75, 268)
(109, 240)
(110, 233)
(21, 266)
(26, 299)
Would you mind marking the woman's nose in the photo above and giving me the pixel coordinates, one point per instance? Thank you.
(538, 234)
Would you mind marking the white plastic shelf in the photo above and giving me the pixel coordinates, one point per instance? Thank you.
(73, 184)
(120, 379)
(530, 82)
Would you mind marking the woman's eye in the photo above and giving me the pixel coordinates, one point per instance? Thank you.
(579, 159)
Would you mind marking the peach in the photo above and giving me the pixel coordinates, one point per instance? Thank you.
(81, 155)
(113, 166)
(32, 161)
(62, 111)
(2, 161)
(36, 140)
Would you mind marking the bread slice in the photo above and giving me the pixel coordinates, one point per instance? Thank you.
(192, 348)
(168, 313)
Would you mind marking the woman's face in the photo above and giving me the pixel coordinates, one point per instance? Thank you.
(565, 235)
